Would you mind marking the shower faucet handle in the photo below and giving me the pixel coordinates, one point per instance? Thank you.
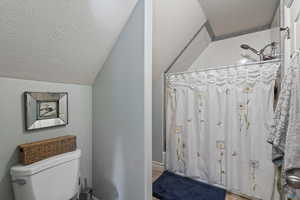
(287, 30)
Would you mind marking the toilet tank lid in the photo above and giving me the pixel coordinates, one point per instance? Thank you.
(28, 170)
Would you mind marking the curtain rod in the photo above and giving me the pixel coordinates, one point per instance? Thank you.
(224, 67)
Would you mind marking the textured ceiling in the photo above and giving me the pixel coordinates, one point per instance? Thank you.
(231, 16)
(59, 40)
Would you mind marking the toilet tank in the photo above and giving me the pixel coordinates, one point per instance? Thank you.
(55, 178)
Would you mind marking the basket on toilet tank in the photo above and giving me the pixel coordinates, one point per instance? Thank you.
(36, 151)
(55, 178)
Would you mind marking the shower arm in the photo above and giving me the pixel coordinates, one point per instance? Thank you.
(269, 45)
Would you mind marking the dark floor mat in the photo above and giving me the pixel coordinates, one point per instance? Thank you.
(170, 186)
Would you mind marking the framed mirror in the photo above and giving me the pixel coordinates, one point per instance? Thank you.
(44, 110)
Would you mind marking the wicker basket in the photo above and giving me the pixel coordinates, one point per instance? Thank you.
(36, 151)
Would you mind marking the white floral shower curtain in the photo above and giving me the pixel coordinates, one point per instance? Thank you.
(217, 127)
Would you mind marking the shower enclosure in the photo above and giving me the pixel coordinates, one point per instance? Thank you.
(217, 123)
(217, 119)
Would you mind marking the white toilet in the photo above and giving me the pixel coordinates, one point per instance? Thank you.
(56, 178)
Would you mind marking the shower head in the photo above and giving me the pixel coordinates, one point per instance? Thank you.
(247, 47)
(261, 53)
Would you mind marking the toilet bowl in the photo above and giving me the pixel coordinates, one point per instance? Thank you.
(55, 178)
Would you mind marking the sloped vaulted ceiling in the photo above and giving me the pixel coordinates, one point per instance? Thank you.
(233, 16)
(59, 40)
(175, 22)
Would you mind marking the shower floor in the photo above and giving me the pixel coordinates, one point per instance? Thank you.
(157, 171)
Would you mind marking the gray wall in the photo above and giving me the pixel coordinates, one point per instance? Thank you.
(118, 120)
(12, 124)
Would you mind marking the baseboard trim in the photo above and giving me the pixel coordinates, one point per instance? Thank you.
(157, 164)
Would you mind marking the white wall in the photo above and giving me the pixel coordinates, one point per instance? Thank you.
(195, 48)
(228, 51)
(175, 22)
(118, 120)
(275, 33)
(12, 131)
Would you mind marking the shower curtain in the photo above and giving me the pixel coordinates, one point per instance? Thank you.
(217, 125)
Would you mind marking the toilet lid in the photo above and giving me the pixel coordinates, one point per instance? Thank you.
(28, 170)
